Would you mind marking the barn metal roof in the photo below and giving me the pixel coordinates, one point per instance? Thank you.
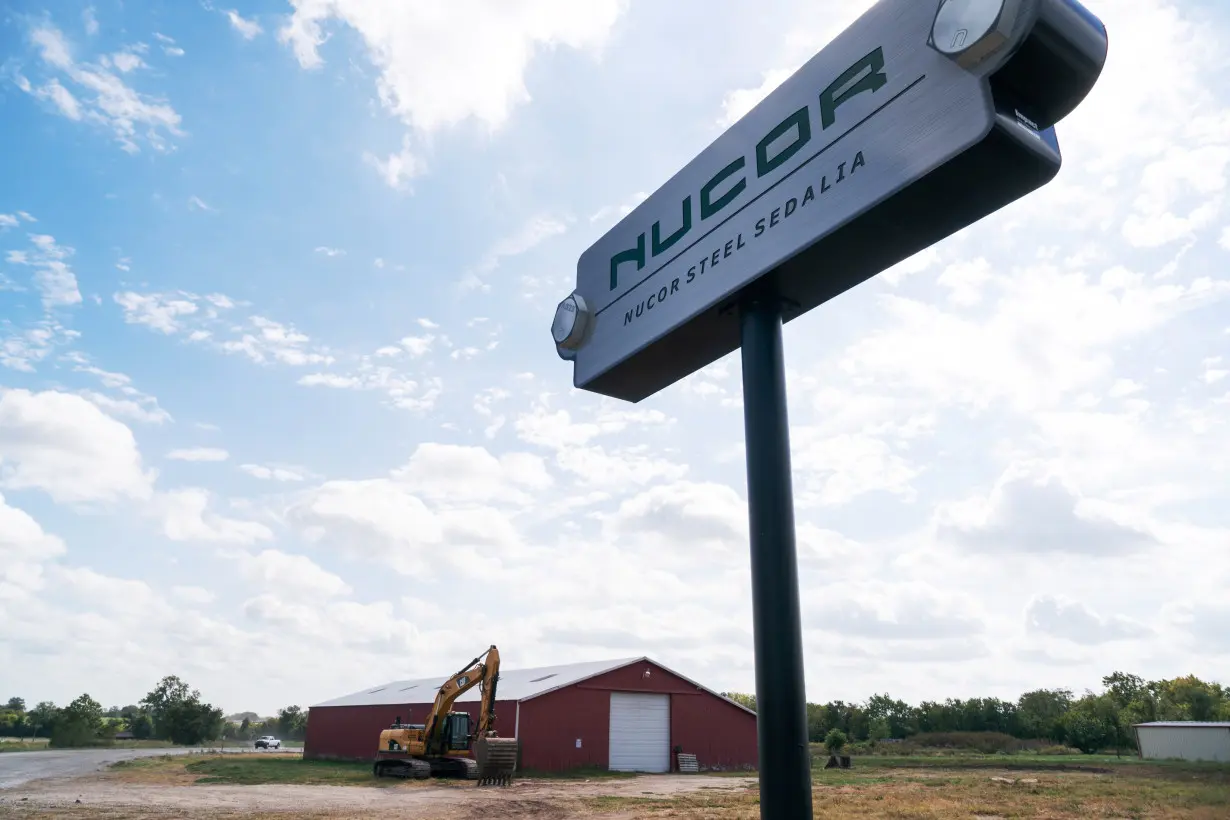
(514, 684)
(1184, 724)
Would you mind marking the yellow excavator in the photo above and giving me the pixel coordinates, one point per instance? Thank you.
(444, 745)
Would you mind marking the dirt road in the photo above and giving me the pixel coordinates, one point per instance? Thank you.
(104, 796)
(17, 768)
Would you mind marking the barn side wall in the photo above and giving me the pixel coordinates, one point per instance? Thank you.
(353, 732)
(720, 734)
(1196, 743)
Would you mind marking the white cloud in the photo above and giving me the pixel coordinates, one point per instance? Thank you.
(125, 61)
(247, 29)
(1039, 515)
(199, 454)
(443, 67)
(399, 167)
(273, 472)
(186, 516)
(530, 235)
(294, 575)
(161, 312)
(101, 97)
(65, 446)
(195, 203)
(89, 21)
(327, 251)
(53, 276)
(476, 53)
(24, 548)
(1074, 622)
(192, 595)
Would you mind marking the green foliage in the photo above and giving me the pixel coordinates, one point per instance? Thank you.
(78, 724)
(742, 698)
(179, 715)
(835, 741)
(16, 705)
(292, 723)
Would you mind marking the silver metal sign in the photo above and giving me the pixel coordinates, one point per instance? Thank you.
(919, 119)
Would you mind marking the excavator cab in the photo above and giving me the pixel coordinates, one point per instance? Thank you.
(457, 732)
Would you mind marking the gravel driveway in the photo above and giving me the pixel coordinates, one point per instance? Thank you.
(22, 767)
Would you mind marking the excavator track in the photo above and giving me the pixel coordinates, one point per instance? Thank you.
(405, 767)
(497, 760)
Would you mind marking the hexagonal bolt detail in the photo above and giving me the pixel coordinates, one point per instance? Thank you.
(570, 326)
(969, 31)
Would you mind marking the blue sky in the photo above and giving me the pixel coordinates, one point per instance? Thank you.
(277, 386)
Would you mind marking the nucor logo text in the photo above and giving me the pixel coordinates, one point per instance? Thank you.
(841, 90)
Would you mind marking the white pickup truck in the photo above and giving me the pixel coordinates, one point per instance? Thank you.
(267, 742)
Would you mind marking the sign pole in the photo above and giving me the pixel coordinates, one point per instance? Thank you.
(781, 699)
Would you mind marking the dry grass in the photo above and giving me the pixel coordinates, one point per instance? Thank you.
(949, 789)
(283, 786)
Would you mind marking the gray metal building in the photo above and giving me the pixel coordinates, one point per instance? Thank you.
(1184, 740)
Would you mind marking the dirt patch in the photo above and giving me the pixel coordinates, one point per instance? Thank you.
(118, 794)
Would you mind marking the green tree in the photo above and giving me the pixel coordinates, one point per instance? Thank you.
(292, 723)
(1040, 713)
(16, 705)
(1091, 724)
(42, 718)
(179, 715)
(835, 741)
(141, 726)
(742, 698)
(78, 724)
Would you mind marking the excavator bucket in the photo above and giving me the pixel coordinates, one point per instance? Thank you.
(497, 760)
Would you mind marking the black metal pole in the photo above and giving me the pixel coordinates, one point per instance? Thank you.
(781, 699)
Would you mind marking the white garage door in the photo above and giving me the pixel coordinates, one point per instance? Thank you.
(640, 732)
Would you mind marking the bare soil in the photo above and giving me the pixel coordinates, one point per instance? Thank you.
(114, 795)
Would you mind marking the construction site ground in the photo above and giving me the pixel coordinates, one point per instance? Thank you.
(282, 786)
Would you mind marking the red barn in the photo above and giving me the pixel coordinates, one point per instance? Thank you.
(623, 715)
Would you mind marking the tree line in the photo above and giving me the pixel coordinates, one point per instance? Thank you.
(172, 711)
(1089, 722)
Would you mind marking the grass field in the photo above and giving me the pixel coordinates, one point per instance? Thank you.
(245, 770)
(977, 788)
(973, 787)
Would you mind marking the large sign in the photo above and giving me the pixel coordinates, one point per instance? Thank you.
(920, 118)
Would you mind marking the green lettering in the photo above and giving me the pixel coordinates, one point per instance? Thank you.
(799, 120)
(636, 255)
(876, 79)
(658, 245)
(707, 206)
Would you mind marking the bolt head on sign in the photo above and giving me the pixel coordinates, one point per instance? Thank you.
(921, 118)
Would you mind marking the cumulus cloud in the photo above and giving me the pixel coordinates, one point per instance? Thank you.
(65, 446)
(24, 548)
(1073, 621)
(186, 516)
(1036, 516)
(443, 67)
